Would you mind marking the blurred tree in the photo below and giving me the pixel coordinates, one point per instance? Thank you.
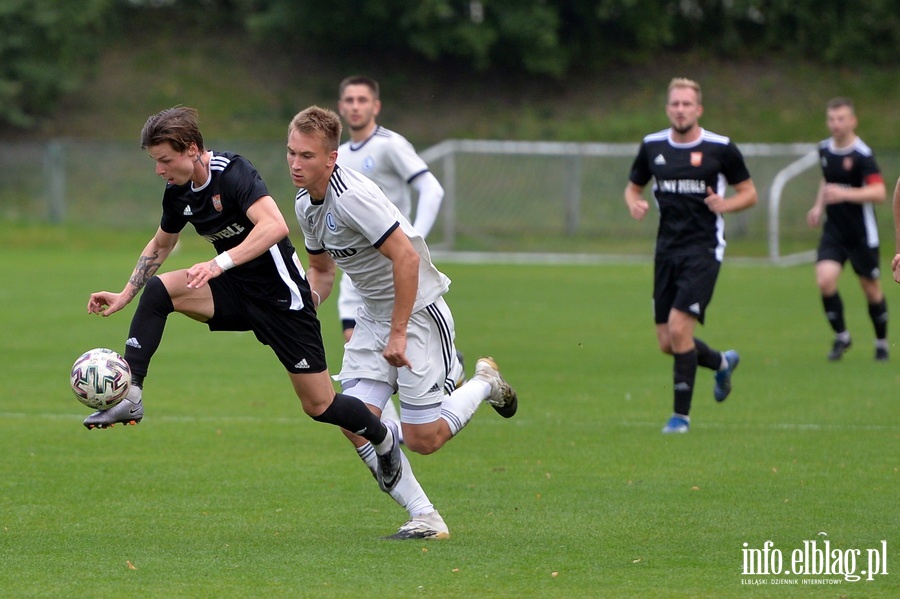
(553, 36)
(46, 47)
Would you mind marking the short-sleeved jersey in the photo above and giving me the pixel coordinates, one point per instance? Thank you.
(681, 173)
(218, 212)
(388, 159)
(853, 166)
(351, 223)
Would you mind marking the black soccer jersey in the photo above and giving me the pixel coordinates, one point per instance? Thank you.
(681, 174)
(218, 211)
(854, 166)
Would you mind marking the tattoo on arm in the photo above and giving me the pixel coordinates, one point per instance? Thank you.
(144, 271)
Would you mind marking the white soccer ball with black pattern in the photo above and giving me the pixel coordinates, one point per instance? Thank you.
(100, 378)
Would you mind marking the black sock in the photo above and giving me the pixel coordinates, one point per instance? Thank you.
(352, 414)
(879, 315)
(685, 372)
(834, 312)
(147, 326)
(706, 356)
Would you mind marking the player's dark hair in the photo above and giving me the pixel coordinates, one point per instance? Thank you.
(321, 122)
(359, 80)
(179, 126)
(839, 102)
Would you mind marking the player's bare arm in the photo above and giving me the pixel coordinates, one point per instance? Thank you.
(320, 274)
(152, 257)
(814, 216)
(874, 192)
(634, 199)
(398, 249)
(895, 263)
(269, 227)
(745, 196)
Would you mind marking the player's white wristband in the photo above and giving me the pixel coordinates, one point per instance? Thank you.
(224, 261)
(318, 299)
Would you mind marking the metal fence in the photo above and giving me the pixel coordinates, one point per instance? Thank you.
(501, 196)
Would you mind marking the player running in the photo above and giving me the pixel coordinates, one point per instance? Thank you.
(255, 283)
(851, 185)
(691, 167)
(404, 336)
(388, 159)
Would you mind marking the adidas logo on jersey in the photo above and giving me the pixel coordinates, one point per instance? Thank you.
(187, 211)
(660, 159)
(302, 364)
(434, 388)
(133, 342)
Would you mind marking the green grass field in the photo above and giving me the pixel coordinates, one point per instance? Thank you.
(228, 490)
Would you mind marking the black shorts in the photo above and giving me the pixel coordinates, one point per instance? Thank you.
(684, 282)
(863, 259)
(294, 335)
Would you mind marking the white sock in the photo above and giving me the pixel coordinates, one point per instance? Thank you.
(385, 446)
(459, 407)
(390, 413)
(408, 493)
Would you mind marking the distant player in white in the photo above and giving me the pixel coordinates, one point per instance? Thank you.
(389, 160)
(404, 338)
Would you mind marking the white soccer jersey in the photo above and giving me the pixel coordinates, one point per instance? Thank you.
(388, 159)
(350, 224)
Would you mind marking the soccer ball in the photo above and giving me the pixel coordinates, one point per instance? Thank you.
(100, 378)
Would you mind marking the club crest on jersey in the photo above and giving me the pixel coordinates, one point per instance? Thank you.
(329, 222)
(848, 163)
(310, 221)
(368, 164)
(696, 158)
(217, 202)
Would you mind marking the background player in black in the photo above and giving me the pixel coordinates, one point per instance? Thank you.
(850, 187)
(255, 283)
(895, 263)
(691, 167)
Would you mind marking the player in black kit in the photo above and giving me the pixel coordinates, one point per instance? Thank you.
(850, 188)
(691, 167)
(255, 283)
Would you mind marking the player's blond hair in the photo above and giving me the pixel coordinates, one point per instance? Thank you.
(320, 122)
(683, 82)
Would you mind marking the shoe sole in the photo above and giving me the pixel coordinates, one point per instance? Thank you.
(435, 536)
(132, 422)
(507, 410)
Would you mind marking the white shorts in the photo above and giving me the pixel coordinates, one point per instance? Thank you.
(349, 299)
(429, 348)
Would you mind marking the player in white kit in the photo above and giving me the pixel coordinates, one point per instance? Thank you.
(388, 159)
(404, 338)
